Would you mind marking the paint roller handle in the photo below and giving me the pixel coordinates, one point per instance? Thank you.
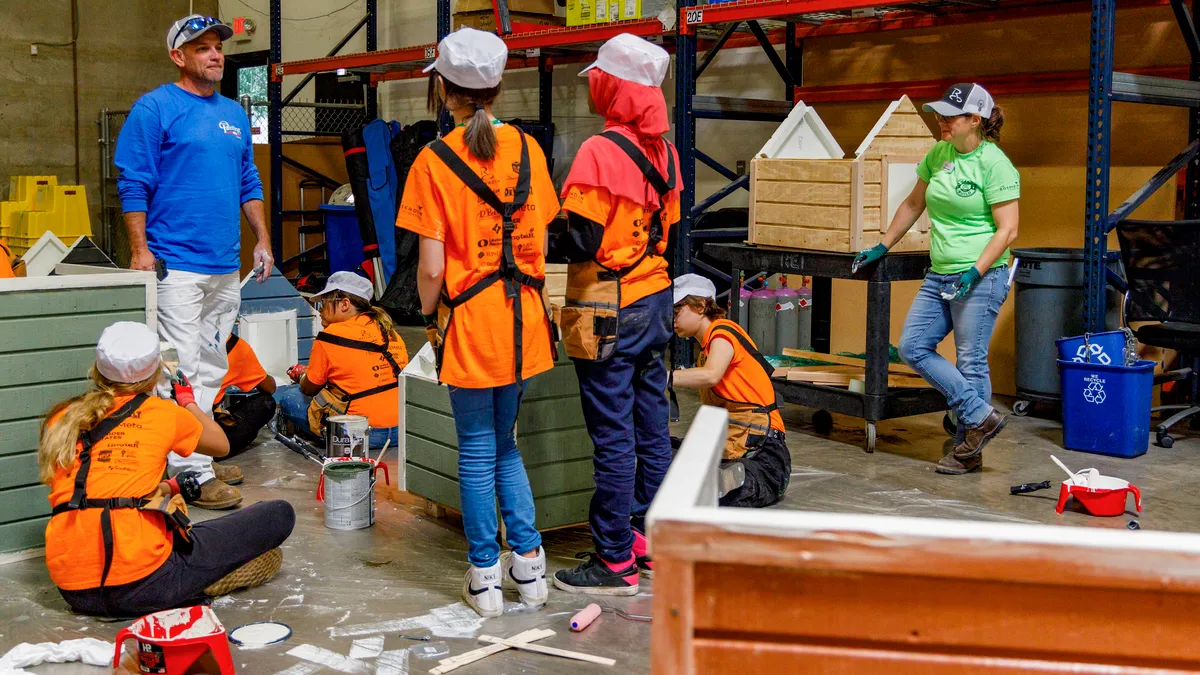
(1028, 487)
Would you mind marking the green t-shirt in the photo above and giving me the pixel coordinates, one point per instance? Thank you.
(962, 190)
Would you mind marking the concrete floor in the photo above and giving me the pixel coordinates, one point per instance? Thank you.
(335, 585)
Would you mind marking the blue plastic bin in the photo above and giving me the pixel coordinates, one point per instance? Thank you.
(345, 245)
(1106, 409)
(1107, 348)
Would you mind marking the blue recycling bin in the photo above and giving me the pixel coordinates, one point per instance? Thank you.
(342, 237)
(1106, 408)
(1107, 348)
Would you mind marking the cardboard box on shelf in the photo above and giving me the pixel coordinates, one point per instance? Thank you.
(486, 19)
(588, 12)
(524, 6)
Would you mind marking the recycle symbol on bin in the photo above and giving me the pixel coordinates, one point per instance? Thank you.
(1098, 354)
(1094, 393)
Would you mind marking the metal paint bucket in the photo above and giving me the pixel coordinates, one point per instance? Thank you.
(349, 495)
(347, 436)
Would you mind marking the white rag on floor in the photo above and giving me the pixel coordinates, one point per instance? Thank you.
(88, 650)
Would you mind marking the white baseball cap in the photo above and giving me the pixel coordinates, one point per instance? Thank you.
(350, 284)
(631, 58)
(472, 59)
(127, 352)
(964, 98)
(193, 26)
(694, 284)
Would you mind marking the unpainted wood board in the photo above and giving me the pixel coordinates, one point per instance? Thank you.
(34, 401)
(53, 332)
(556, 284)
(898, 145)
(51, 365)
(23, 535)
(856, 206)
(714, 655)
(71, 301)
(821, 377)
(19, 436)
(906, 125)
(801, 238)
(912, 242)
(813, 170)
(802, 215)
(18, 471)
(673, 630)
(856, 371)
(846, 360)
(552, 651)
(798, 192)
(872, 171)
(24, 502)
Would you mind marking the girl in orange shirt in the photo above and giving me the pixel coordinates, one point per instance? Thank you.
(733, 375)
(480, 198)
(117, 543)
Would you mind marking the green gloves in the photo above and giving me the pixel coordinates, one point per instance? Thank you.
(966, 281)
(868, 256)
(429, 319)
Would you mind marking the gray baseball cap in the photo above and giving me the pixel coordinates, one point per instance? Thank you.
(964, 98)
(193, 26)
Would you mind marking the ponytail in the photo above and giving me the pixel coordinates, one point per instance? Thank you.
(481, 137)
(383, 320)
(56, 449)
(990, 127)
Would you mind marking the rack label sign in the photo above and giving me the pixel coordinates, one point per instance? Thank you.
(431, 52)
(694, 16)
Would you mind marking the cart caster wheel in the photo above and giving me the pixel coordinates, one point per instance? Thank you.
(870, 437)
(949, 426)
(822, 422)
(1165, 440)
(1021, 408)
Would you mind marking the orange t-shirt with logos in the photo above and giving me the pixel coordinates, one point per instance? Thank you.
(128, 462)
(245, 372)
(355, 370)
(479, 346)
(626, 227)
(6, 270)
(744, 380)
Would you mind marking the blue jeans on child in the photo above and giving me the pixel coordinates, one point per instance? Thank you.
(294, 406)
(490, 466)
(967, 386)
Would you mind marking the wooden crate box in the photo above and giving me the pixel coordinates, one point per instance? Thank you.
(843, 205)
(551, 436)
(48, 332)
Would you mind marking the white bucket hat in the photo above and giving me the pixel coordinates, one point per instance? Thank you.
(472, 59)
(631, 58)
(127, 352)
(693, 284)
(350, 284)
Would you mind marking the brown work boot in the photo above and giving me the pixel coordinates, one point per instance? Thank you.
(228, 474)
(968, 455)
(215, 496)
(254, 573)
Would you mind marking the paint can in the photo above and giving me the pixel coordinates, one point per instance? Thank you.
(347, 436)
(349, 495)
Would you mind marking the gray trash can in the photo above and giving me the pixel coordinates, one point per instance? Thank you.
(1049, 305)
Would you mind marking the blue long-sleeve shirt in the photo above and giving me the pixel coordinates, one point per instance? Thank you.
(187, 161)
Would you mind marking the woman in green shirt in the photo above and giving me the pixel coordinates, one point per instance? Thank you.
(971, 189)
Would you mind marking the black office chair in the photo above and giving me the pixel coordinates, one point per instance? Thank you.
(1162, 270)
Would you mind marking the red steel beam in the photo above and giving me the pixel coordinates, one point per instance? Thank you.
(747, 10)
(1024, 83)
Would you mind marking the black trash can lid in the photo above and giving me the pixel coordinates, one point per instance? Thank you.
(1058, 254)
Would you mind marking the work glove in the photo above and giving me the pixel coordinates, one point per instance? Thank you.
(296, 372)
(185, 484)
(181, 390)
(431, 329)
(868, 256)
(960, 289)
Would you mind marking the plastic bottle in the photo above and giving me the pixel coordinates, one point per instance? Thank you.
(804, 316)
(762, 320)
(786, 326)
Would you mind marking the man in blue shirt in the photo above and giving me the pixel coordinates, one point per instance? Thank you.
(187, 169)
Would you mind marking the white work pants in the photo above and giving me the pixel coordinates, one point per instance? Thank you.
(196, 313)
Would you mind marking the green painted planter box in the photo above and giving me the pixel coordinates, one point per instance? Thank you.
(551, 437)
(48, 332)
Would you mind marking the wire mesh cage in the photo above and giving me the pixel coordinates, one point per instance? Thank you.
(322, 117)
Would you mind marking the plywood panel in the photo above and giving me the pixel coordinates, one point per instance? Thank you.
(59, 331)
(28, 368)
(542, 447)
(20, 436)
(799, 237)
(898, 146)
(433, 425)
(908, 125)
(795, 192)
(912, 242)
(815, 217)
(18, 470)
(813, 170)
(22, 402)
(72, 301)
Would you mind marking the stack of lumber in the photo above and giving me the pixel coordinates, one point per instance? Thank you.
(843, 370)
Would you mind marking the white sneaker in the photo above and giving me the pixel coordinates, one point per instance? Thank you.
(529, 575)
(481, 591)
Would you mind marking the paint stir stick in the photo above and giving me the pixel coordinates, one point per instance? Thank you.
(552, 651)
(454, 662)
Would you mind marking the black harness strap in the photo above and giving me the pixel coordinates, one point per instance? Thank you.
(361, 345)
(231, 343)
(661, 186)
(79, 499)
(758, 358)
(508, 272)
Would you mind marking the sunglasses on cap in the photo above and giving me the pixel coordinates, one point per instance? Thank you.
(193, 27)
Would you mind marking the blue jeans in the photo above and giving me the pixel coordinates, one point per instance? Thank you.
(627, 415)
(294, 406)
(490, 466)
(967, 386)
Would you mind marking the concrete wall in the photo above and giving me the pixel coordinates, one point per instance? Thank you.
(121, 55)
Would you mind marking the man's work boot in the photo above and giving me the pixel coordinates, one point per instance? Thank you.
(968, 455)
(228, 474)
(216, 495)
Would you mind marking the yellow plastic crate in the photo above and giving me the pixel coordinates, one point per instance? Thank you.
(23, 192)
(61, 209)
